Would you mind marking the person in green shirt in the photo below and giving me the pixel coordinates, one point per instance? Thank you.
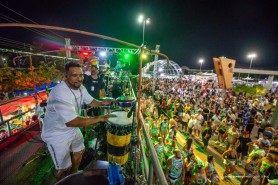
(206, 134)
(164, 129)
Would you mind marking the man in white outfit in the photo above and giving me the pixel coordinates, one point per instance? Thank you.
(198, 124)
(62, 118)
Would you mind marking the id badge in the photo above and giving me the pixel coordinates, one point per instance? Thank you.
(92, 88)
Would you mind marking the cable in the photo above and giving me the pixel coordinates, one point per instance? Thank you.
(28, 44)
(33, 21)
(31, 29)
(16, 42)
(13, 41)
(21, 48)
(13, 20)
(29, 19)
(10, 45)
(13, 44)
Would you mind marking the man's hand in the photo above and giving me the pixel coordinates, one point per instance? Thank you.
(106, 117)
(107, 102)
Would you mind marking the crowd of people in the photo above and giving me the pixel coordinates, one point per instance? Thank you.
(204, 111)
(201, 112)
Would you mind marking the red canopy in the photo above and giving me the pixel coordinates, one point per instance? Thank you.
(26, 101)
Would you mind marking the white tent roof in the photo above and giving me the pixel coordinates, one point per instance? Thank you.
(163, 69)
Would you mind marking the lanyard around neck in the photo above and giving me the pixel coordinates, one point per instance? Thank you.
(78, 105)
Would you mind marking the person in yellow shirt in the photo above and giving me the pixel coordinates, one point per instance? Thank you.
(187, 107)
(184, 120)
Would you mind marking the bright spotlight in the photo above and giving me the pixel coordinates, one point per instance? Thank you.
(148, 20)
(126, 55)
(140, 18)
(252, 55)
(102, 54)
(144, 56)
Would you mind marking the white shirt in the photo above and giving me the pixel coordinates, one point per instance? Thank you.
(191, 122)
(87, 73)
(266, 142)
(216, 119)
(185, 117)
(274, 102)
(63, 105)
(200, 118)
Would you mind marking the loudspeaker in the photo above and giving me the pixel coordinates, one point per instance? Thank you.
(224, 69)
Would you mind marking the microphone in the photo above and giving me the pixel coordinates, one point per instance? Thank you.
(131, 110)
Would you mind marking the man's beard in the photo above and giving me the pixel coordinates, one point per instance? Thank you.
(77, 85)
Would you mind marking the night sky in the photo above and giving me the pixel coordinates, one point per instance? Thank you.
(185, 30)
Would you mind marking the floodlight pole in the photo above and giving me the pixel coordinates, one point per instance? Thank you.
(144, 24)
(252, 56)
(155, 68)
(250, 64)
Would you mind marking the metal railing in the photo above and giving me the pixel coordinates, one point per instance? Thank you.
(153, 166)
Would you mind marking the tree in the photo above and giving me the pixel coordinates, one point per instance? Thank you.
(21, 78)
(255, 90)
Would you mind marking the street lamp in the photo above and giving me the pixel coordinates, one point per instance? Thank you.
(145, 21)
(201, 62)
(252, 55)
